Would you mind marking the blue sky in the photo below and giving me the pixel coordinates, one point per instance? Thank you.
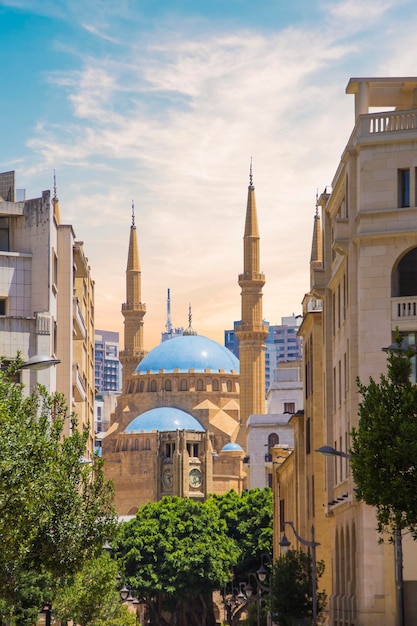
(165, 102)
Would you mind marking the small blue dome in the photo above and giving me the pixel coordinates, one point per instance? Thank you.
(163, 419)
(189, 352)
(232, 447)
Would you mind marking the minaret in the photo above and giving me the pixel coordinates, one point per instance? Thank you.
(133, 310)
(251, 332)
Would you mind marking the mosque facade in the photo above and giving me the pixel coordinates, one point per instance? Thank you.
(177, 429)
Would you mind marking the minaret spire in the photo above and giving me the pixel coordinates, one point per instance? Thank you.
(251, 332)
(190, 330)
(133, 309)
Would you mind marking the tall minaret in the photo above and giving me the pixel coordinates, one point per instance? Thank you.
(133, 310)
(251, 332)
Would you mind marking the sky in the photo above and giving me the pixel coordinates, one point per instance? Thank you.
(164, 103)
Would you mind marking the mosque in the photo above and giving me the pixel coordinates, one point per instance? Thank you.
(179, 426)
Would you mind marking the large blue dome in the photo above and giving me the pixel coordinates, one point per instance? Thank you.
(189, 352)
(163, 419)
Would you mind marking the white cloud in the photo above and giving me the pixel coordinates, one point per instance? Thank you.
(172, 122)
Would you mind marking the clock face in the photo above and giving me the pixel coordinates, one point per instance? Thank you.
(167, 477)
(196, 478)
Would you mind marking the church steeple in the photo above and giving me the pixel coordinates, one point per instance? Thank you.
(133, 309)
(251, 332)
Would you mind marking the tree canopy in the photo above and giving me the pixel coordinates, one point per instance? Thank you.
(55, 511)
(175, 553)
(384, 446)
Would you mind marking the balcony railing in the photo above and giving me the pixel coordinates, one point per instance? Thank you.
(79, 327)
(404, 308)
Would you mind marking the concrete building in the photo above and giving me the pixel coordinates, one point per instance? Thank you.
(46, 298)
(363, 284)
(177, 428)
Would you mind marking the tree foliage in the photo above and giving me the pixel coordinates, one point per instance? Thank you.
(91, 597)
(292, 587)
(249, 523)
(384, 446)
(174, 554)
(55, 512)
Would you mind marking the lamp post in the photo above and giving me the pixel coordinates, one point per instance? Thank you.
(285, 543)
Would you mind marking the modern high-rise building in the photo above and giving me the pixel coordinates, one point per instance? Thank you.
(46, 298)
(106, 361)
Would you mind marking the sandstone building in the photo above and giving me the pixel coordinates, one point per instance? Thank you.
(363, 284)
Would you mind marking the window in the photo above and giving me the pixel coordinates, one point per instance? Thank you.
(200, 384)
(168, 385)
(308, 435)
(183, 385)
(404, 188)
(153, 385)
(273, 440)
(229, 385)
(215, 385)
(4, 233)
(169, 450)
(289, 407)
(192, 449)
(3, 306)
(141, 386)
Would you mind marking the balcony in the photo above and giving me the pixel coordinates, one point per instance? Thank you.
(341, 235)
(78, 385)
(79, 329)
(384, 126)
(404, 313)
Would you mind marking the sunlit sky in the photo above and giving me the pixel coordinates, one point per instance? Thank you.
(164, 102)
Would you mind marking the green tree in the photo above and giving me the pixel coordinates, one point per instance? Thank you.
(384, 446)
(249, 523)
(292, 586)
(174, 554)
(92, 598)
(55, 512)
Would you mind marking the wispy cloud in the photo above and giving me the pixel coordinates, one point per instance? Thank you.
(172, 120)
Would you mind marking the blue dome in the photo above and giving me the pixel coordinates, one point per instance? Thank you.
(189, 352)
(232, 447)
(163, 419)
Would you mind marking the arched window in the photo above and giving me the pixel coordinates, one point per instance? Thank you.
(147, 444)
(136, 446)
(215, 385)
(153, 385)
(183, 385)
(404, 276)
(200, 384)
(168, 386)
(141, 386)
(229, 385)
(273, 440)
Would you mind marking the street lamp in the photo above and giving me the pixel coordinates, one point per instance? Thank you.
(285, 543)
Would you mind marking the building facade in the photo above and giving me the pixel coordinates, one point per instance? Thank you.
(363, 286)
(47, 298)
